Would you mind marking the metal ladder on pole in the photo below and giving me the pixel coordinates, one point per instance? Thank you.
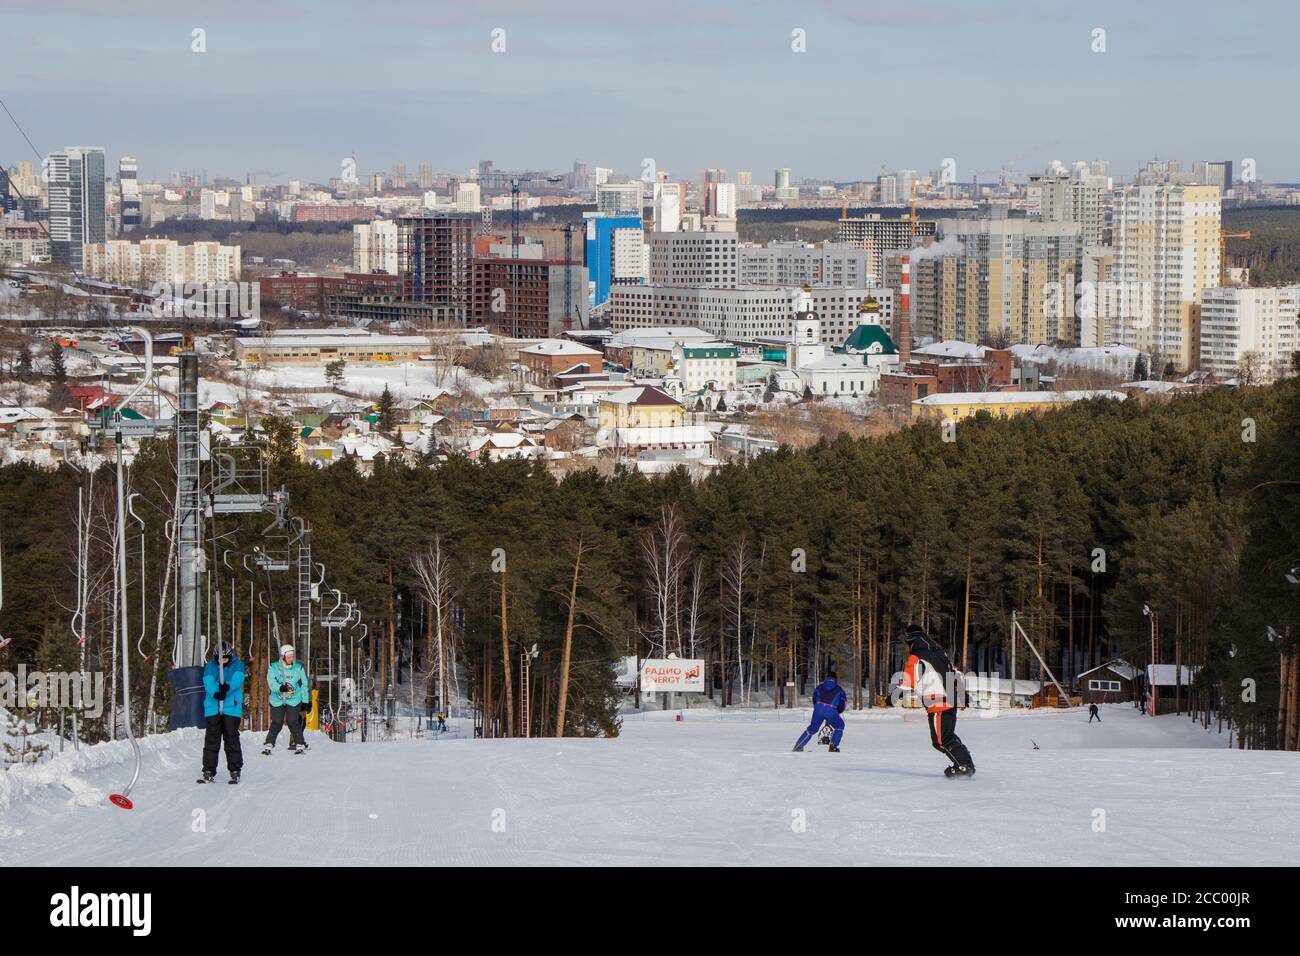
(523, 693)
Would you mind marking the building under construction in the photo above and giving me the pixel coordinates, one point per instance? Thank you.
(434, 258)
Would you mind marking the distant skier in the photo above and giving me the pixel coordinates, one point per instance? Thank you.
(442, 722)
(1093, 712)
(223, 709)
(287, 681)
(926, 673)
(829, 701)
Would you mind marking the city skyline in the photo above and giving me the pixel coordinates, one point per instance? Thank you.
(291, 90)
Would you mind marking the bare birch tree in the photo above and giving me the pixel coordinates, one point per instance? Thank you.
(433, 569)
(736, 563)
(665, 553)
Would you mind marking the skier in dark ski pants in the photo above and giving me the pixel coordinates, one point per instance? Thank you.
(926, 673)
(223, 709)
(828, 703)
(1092, 712)
(287, 681)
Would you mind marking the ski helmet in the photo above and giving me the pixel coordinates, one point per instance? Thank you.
(915, 634)
(286, 649)
(223, 650)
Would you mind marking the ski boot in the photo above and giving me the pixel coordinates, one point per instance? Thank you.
(208, 777)
(798, 749)
(266, 750)
(299, 749)
(234, 777)
(833, 749)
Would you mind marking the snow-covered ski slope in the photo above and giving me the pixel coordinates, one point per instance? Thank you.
(707, 790)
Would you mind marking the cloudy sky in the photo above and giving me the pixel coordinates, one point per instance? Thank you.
(290, 87)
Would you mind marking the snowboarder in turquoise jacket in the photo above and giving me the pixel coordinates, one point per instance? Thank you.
(287, 681)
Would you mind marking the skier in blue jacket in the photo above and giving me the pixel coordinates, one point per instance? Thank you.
(829, 701)
(287, 681)
(223, 709)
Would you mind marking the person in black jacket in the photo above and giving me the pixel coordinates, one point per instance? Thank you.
(926, 674)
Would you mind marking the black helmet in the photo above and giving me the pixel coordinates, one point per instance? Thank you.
(915, 633)
(223, 650)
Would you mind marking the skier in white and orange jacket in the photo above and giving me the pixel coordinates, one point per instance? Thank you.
(926, 674)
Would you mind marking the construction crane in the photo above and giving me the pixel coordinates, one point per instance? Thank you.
(1223, 252)
(514, 253)
(568, 265)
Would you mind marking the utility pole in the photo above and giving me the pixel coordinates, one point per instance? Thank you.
(1152, 670)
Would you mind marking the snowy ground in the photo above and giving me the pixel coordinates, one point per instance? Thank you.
(404, 380)
(708, 790)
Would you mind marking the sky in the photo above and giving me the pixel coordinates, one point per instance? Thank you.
(288, 88)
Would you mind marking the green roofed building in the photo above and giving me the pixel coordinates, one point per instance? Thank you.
(706, 366)
(869, 340)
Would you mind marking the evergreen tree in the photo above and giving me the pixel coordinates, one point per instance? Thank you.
(23, 367)
(1140, 370)
(387, 410)
(59, 395)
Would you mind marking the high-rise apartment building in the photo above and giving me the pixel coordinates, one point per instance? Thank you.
(786, 263)
(522, 294)
(697, 259)
(374, 246)
(1071, 199)
(668, 207)
(605, 238)
(879, 236)
(1166, 239)
(1250, 332)
(468, 197)
(782, 190)
(434, 254)
(76, 202)
(995, 277)
(128, 186)
(619, 199)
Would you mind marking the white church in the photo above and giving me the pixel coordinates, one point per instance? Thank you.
(852, 373)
